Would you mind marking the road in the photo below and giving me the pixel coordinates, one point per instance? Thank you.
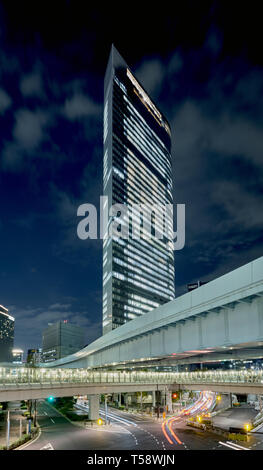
(235, 417)
(127, 432)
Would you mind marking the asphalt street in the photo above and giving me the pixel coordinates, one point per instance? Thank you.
(126, 432)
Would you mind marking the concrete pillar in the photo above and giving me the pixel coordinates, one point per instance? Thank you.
(153, 399)
(230, 400)
(162, 398)
(119, 399)
(169, 401)
(126, 400)
(134, 398)
(115, 398)
(94, 406)
(251, 397)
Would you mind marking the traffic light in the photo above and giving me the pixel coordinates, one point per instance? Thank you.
(174, 395)
(51, 399)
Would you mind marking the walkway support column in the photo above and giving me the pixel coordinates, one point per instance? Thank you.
(134, 399)
(169, 401)
(119, 402)
(94, 407)
(153, 399)
(126, 400)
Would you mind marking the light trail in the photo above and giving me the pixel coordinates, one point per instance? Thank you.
(165, 433)
(203, 404)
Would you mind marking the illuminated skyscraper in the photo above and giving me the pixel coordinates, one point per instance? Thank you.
(61, 339)
(138, 274)
(7, 328)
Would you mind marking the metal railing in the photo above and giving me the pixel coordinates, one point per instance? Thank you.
(25, 375)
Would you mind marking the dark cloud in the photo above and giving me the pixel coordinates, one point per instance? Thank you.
(5, 101)
(80, 106)
(29, 128)
(31, 85)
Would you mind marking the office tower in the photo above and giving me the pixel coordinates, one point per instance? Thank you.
(138, 274)
(17, 356)
(34, 356)
(7, 328)
(61, 339)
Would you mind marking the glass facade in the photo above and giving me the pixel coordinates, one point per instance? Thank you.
(34, 356)
(7, 328)
(138, 273)
(17, 356)
(61, 339)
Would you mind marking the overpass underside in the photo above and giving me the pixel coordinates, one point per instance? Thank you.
(29, 392)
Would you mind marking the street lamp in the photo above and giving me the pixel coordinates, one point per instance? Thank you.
(7, 429)
(106, 408)
(247, 427)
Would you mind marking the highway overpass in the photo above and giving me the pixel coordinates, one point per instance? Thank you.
(220, 320)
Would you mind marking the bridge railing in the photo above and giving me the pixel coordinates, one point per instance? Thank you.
(26, 375)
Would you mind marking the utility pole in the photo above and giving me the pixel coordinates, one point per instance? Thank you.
(7, 429)
(106, 408)
(35, 414)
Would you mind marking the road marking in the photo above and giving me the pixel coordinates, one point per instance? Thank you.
(122, 420)
(241, 447)
(47, 447)
(228, 445)
(52, 420)
(116, 431)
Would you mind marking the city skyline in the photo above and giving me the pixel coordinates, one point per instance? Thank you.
(51, 103)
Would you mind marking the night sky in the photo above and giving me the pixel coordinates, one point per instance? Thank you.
(202, 65)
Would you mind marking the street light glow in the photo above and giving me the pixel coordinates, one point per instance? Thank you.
(247, 426)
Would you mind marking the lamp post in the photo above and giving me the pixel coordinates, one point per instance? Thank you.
(106, 408)
(7, 429)
(35, 414)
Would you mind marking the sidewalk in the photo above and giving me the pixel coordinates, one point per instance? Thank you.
(15, 417)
